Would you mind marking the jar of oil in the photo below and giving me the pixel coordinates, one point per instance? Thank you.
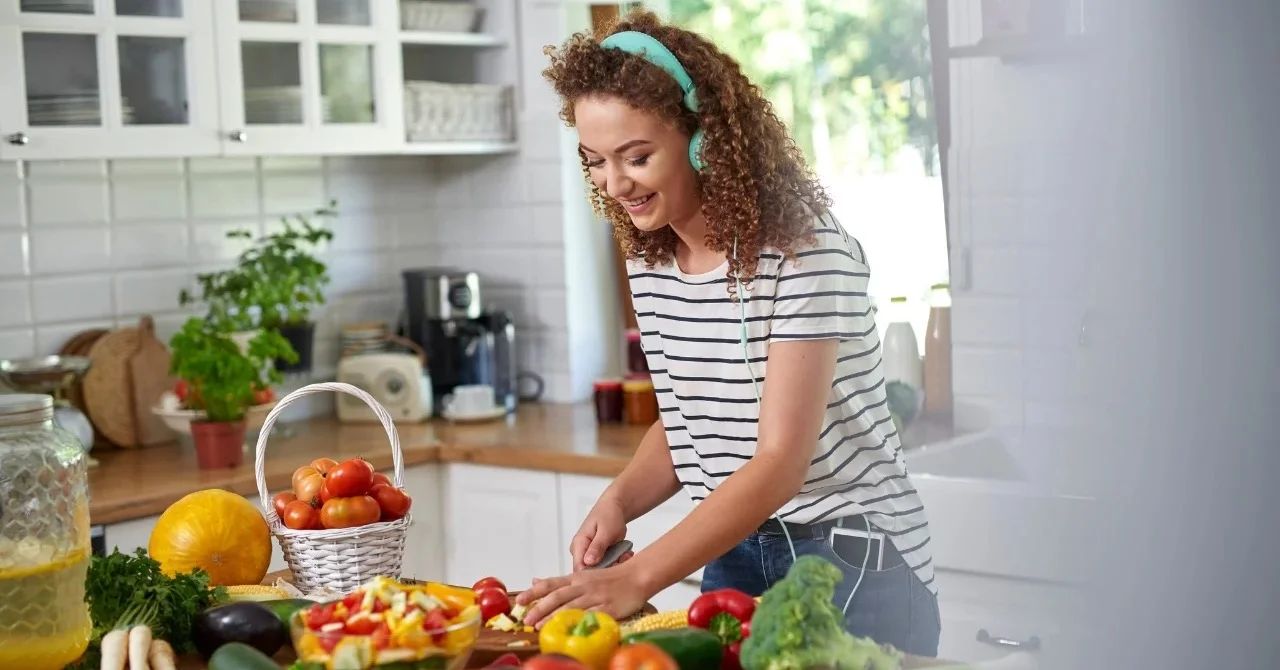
(44, 537)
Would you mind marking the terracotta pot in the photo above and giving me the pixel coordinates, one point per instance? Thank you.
(219, 444)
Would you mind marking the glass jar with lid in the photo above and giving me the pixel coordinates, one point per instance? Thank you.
(44, 537)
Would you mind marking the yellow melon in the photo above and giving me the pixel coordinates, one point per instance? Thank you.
(216, 530)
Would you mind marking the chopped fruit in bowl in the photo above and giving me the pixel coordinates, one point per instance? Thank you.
(387, 621)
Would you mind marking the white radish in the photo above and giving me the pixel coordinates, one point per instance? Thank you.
(162, 656)
(139, 647)
(115, 647)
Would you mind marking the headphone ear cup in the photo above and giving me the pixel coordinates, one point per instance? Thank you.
(695, 151)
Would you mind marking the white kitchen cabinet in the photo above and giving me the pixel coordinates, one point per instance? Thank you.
(309, 76)
(500, 522)
(577, 495)
(107, 78)
(424, 544)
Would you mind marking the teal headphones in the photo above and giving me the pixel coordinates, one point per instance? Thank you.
(650, 49)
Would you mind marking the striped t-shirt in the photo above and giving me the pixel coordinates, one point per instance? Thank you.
(691, 329)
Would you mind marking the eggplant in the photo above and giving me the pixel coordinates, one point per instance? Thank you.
(247, 622)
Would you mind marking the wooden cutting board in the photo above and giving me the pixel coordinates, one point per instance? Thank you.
(493, 643)
(150, 378)
(108, 394)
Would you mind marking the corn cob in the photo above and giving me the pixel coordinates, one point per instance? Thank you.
(660, 621)
(254, 592)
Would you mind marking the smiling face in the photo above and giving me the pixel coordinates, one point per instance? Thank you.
(638, 159)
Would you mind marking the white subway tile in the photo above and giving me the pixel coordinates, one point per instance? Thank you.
(223, 166)
(548, 224)
(979, 320)
(150, 291)
(998, 271)
(1053, 375)
(545, 267)
(451, 181)
(413, 228)
(167, 324)
(501, 181)
(20, 343)
(544, 181)
(559, 388)
(61, 169)
(358, 273)
(975, 413)
(986, 371)
(416, 257)
(15, 297)
(13, 254)
(71, 298)
(149, 198)
(67, 199)
(11, 195)
(148, 167)
(995, 221)
(550, 308)
(292, 164)
(209, 241)
(504, 226)
(1052, 323)
(70, 250)
(50, 338)
(540, 135)
(224, 193)
(361, 232)
(149, 245)
(292, 192)
(993, 169)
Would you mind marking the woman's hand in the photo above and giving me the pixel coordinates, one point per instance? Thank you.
(604, 525)
(617, 591)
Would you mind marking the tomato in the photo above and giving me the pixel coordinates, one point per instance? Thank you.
(492, 602)
(299, 515)
(318, 615)
(263, 395)
(394, 502)
(504, 662)
(328, 641)
(324, 465)
(348, 512)
(306, 484)
(350, 478)
(281, 500)
(182, 389)
(488, 582)
(552, 662)
(381, 636)
(360, 625)
(643, 656)
(324, 493)
(435, 623)
(353, 600)
(379, 478)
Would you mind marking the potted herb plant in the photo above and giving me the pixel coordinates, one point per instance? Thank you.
(274, 285)
(222, 379)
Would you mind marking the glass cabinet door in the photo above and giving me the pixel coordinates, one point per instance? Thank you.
(346, 83)
(108, 78)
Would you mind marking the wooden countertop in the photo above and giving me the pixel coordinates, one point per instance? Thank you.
(133, 483)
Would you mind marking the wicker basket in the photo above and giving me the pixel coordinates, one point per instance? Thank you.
(451, 17)
(436, 111)
(340, 559)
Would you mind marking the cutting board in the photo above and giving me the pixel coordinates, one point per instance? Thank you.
(150, 378)
(108, 395)
(493, 643)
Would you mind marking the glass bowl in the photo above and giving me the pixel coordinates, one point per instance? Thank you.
(416, 648)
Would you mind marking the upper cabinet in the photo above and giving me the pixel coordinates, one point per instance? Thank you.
(87, 78)
(138, 78)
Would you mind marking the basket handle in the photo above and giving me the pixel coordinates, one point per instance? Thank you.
(260, 457)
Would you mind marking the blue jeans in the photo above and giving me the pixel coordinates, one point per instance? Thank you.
(891, 606)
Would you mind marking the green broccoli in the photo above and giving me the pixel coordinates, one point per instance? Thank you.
(797, 627)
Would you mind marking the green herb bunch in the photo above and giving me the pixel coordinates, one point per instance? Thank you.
(222, 376)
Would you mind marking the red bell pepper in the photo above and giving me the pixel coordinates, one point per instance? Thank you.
(726, 613)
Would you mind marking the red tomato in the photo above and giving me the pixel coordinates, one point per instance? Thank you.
(381, 635)
(492, 602)
(182, 389)
(299, 515)
(362, 625)
(350, 478)
(281, 500)
(328, 641)
(318, 615)
(643, 656)
(263, 396)
(324, 493)
(348, 512)
(489, 582)
(353, 600)
(306, 484)
(552, 662)
(380, 479)
(324, 465)
(435, 623)
(394, 502)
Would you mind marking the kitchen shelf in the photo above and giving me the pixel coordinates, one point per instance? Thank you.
(459, 148)
(1023, 49)
(451, 39)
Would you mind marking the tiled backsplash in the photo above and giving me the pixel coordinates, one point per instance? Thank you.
(98, 243)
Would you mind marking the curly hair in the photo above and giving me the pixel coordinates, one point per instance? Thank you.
(755, 189)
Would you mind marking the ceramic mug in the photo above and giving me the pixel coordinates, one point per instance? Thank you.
(469, 400)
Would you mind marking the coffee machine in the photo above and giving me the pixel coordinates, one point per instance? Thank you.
(464, 342)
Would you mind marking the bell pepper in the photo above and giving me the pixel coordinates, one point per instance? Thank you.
(455, 598)
(588, 637)
(726, 613)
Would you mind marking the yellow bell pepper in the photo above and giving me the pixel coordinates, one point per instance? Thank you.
(589, 637)
(455, 598)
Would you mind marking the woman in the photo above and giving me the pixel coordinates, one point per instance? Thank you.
(755, 319)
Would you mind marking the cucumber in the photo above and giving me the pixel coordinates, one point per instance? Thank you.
(240, 656)
(284, 608)
(690, 648)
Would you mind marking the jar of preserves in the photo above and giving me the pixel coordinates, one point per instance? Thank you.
(640, 400)
(44, 537)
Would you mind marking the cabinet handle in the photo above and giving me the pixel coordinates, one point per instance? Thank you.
(19, 139)
(1030, 644)
(238, 136)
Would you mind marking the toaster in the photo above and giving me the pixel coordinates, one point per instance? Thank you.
(396, 380)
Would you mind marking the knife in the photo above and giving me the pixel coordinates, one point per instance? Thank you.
(612, 554)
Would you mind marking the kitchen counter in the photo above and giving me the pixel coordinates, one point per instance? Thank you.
(134, 483)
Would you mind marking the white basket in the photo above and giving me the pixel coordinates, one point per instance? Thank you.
(450, 17)
(436, 111)
(344, 558)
